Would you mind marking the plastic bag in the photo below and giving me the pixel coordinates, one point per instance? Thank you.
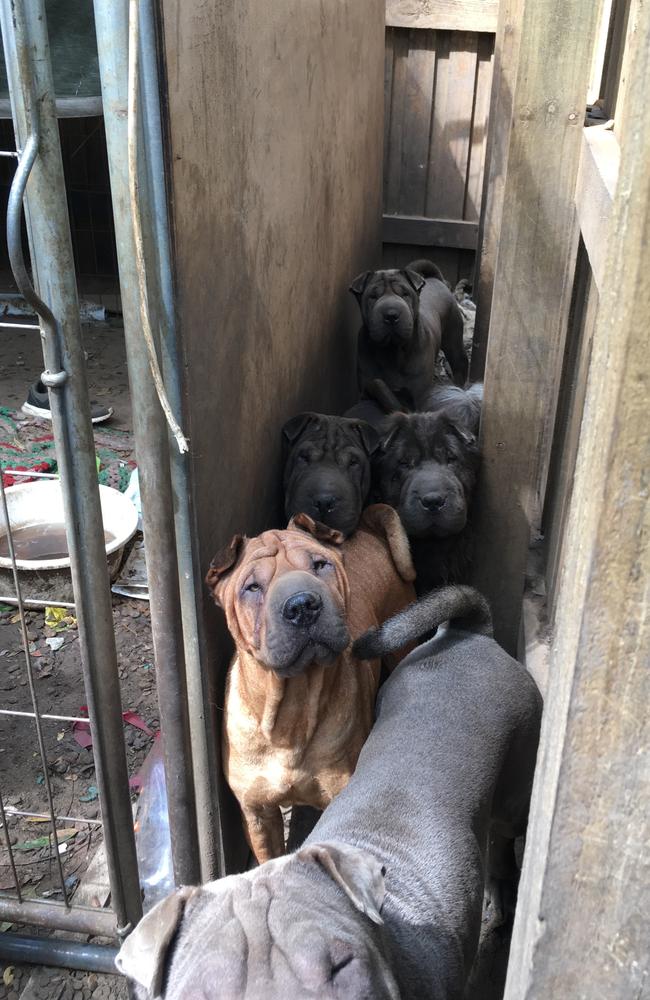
(152, 837)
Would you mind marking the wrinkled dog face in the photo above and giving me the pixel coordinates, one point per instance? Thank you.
(327, 469)
(300, 927)
(427, 468)
(285, 595)
(389, 302)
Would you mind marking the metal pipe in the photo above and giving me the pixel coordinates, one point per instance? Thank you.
(76, 919)
(20, 950)
(26, 47)
(29, 602)
(205, 757)
(152, 455)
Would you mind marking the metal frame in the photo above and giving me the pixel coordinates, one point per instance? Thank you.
(25, 41)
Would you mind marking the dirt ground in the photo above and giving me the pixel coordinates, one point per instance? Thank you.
(59, 689)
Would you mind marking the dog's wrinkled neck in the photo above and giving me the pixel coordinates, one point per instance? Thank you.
(286, 709)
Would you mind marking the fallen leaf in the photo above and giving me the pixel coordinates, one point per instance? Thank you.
(55, 642)
(35, 845)
(60, 736)
(82, 734)
(15, 618)
(135, 720)
(40, 779)
(8, 975)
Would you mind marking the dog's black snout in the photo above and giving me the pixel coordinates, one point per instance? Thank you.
(391, 315)
(325, 504)
(302, 609)
(433, 501)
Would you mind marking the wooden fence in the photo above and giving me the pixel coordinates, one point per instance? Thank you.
(437, 93)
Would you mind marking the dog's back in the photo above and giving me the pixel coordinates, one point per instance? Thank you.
(453, 747)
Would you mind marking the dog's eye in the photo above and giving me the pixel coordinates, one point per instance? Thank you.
(252, 588)
(451, 457)
(354, 461)
(320, 564)
(302, 458)
(404, 463)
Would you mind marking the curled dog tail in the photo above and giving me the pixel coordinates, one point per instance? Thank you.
(463, 606)
(426, 268)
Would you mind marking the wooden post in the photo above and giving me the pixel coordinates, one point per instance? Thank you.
(506, 55)
(532, 289)
(582, 925)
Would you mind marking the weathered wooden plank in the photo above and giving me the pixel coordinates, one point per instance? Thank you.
(416, 126)
(532, 289)
(389, 60)
(450, 131)
(396, 106)
(614, 54)
(506, 57)
(276, 195)
(626, 98)
(584, 310)
(595, 187)
(443, 15)
(422, 231)
(479, 127)
(582, 929)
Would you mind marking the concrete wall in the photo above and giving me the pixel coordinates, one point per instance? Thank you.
(275, 144)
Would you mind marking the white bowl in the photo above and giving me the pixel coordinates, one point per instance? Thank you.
(41, 503)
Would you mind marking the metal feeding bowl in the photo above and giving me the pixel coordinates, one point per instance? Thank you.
(37, 522)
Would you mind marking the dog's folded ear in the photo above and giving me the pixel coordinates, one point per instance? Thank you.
(294, 427)
(369, 436)
(415, 280)
(390, 428)
(357, 872)
(463, 432)
(142, 956)
(222, 564)
(321, 532)
(358, 286)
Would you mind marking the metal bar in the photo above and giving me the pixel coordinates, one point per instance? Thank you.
(9, 152)
(55, 915)
(11, 811)
(205, 758)
(24, 34)
(53, 951)
(152, 454)
(29, 475)
(32, 691)
(30, 602)
(51, 718)
(20, 326)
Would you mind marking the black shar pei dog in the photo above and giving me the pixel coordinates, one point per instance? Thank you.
(327, 470)
(408, 315)
(426, 468)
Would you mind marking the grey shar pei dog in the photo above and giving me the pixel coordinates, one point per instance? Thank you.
(327, 469)
(408, 314)
(384, 899)
(426, 468)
